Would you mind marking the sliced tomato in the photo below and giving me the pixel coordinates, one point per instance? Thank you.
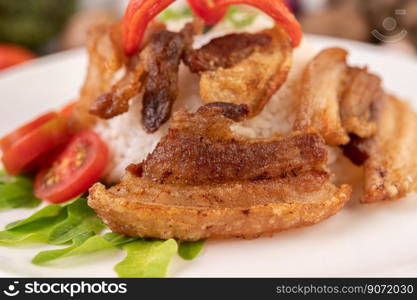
(43, 160)
(42, 139)
(7, 141)
(11, 55)
(77, 168)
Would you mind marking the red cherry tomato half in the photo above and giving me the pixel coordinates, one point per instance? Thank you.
(32, 145)
(11, 55)
(77, 168)
(7, 141)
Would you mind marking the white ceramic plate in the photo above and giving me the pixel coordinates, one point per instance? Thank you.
(372, 240)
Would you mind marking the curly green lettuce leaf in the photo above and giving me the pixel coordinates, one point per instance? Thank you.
(147, 259)
(16, 192)
(190, 250)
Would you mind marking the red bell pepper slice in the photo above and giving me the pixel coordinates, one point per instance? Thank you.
(138, 15)
(207, 10)
(140, 12)
(214, 10)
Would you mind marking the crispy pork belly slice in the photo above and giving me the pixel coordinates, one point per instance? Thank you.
(105, 59)
(262, 190)
(336, 99)
(140, 207)
(390, 166)
(243, 68)
(201, 148)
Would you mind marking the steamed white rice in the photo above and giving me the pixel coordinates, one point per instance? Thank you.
(129, 143)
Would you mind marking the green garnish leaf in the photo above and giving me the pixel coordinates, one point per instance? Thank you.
(240, 18)
(16, 192)
(37, 226)
(147, 259)
(175, 14)
(190, 250)
(80, 219)
(4, 177)
(85, 243)
(55, 224)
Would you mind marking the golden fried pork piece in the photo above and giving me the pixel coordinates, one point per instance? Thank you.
(268, 186)
(105, 58)
(242, 68)
(389, 158)
(336, 99)
(198, 152)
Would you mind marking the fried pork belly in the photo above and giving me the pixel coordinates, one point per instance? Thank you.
(336, 99)
(202, 181)
(198, 152)
(242, 68)
(389, 157)
(105, 58)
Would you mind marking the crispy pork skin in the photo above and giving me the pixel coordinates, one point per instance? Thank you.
(139, 207)
(267, 186)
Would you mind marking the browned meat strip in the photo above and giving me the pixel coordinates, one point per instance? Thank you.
(335, 99)
(227, 202)
(161, 59)
(225, 51)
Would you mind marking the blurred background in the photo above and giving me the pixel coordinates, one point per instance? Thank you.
(32, 28)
